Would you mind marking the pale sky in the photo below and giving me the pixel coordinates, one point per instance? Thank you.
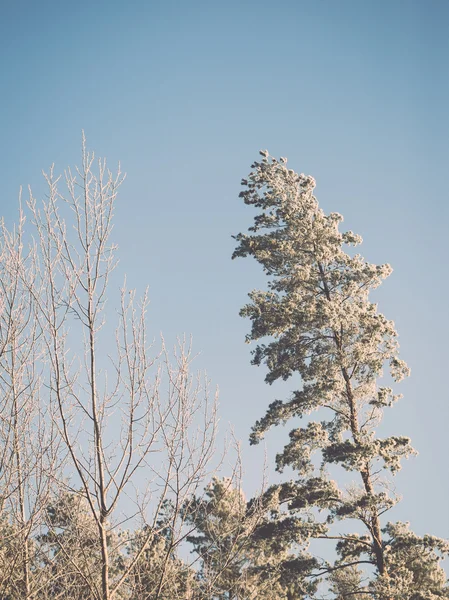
(184, 94)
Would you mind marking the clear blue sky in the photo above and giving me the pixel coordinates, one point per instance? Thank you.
(185, 94)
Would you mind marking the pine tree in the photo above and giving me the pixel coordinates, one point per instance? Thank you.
(239, 559)
(71, 550)
(321, 325)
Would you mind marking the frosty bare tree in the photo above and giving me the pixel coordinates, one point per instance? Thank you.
(150, 420)
(322, 326)
(28, 448)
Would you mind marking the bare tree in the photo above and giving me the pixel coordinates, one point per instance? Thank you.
(148, 421)
(28, 449)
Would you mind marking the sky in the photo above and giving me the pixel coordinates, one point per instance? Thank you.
(185, 94)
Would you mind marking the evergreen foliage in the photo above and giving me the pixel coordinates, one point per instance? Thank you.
(320, 324)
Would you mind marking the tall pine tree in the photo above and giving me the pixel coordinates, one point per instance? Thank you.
(319, 322)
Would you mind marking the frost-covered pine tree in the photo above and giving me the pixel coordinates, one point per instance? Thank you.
(320, 323)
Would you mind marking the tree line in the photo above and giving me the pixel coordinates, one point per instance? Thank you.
(109, 483)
